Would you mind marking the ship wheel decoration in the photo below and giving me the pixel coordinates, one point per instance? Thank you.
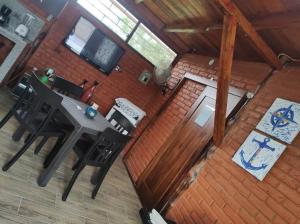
(282, 117)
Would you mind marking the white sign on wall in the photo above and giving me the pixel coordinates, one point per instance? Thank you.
(282, 120)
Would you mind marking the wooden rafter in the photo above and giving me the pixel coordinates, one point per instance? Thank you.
(261, 46)
(226, 59)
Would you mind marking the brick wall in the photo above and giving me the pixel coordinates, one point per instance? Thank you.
(53, 54)
(246, 75)
(225, 193)
(155, 136)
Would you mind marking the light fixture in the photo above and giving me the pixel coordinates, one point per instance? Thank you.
(211, 62)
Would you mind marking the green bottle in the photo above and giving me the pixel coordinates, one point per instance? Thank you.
(44, 79)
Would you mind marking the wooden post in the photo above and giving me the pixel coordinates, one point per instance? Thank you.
(226, 58)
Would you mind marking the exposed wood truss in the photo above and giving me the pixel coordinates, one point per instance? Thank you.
(226, 59)
(261, 46)
(171, 11)
(195, 25)
(233, 16)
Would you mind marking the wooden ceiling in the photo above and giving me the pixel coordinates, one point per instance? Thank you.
(196, 25)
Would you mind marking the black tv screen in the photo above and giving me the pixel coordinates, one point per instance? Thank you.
(94, 46)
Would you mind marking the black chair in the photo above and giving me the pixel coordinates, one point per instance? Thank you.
(19, 88)
(121, 122)
(30, 113)
(100, 153)
(67, 88)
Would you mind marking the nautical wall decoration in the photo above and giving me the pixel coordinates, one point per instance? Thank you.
(258, 154)
(282, 120)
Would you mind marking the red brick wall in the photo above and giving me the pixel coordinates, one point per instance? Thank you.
(246, 75)
(225, 193)
(53, 54)
(155, 136)
(29, 4)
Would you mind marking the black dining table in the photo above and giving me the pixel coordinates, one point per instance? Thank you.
(74, 111)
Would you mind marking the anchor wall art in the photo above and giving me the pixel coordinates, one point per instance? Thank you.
(258, 154)
(282, 120)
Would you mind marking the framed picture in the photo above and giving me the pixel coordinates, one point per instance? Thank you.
(258, 154)
(282, 120)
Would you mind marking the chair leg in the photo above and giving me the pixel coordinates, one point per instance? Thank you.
(72, 181)
(6, 118)
(18, 133)
(40, 145)
(27, 138)
(100, 177)
(76, 165)
(19, 153)
(95, 177)
(53, 152)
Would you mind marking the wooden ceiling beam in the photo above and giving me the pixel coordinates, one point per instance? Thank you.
(261, 46)
(273, 21)
(225, 64)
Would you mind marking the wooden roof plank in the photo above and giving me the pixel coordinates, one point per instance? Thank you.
(278, 21)
(274, 21)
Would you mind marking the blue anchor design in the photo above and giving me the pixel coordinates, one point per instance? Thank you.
(262, 145)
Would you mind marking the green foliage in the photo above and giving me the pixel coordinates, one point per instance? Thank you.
(151, 48)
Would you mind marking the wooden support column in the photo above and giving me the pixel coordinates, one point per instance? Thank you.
(226, 59)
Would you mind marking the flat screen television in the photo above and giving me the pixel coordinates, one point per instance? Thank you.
(94, 46)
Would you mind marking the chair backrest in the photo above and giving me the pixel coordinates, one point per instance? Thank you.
(35, 111)
(120, 122)
(67, 88)
(106, 148)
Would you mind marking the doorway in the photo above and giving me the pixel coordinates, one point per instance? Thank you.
(178, 153)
